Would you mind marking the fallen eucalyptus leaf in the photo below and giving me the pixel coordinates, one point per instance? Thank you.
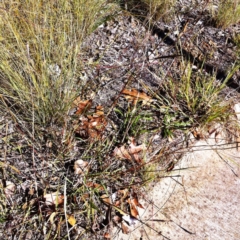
(71, 219)
(9, 190)
(54, 198)
(81, 167)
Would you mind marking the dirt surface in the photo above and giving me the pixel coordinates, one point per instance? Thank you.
(126, 46)
(200, 200)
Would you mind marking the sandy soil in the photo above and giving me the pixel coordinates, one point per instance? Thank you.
(202, 203)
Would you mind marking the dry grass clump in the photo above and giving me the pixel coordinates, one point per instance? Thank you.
(236, 39)
(191, 100)
(39, 62)
(150, 10)
(227, 13)
(160, 8)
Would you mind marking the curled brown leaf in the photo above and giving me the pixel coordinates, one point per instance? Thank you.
(54, 198)
(81, 167)
(93, 126)
(82, 106)
(130, 153)
(134, 96)
(125, 228)
(10, 188)
(106, 199)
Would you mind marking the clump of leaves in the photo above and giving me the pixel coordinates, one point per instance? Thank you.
(228, 13)
(39, 63)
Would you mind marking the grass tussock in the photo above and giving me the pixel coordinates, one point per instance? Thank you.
(192, 100)
(236, 40)
(227, 13)
(160, 9)
(40, 46)
(150, 10)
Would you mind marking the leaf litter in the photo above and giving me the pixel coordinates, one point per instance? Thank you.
(132, 152)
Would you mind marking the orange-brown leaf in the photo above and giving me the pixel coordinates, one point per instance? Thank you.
(125, 228)
(82, 106)
(125, 193)
(94, 185)
(99, 111)
(98, 123)
(133, 209)
(85, 197)
(134, 95)
(135, 202)
(134, 148)
(117, 203)
(93, 126)
(107, 235)
(106, 199)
